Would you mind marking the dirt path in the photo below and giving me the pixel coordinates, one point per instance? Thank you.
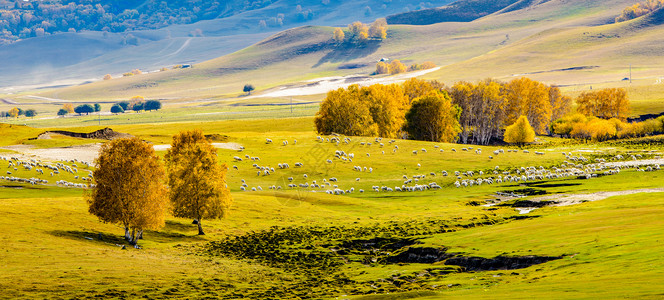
(84, 153)
(571, 199)
(323, 85)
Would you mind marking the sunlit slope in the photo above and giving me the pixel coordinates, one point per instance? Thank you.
(541, 37)
(575, 55)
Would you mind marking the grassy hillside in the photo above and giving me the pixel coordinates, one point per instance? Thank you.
(608, 247)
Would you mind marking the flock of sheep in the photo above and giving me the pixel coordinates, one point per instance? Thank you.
(573, 167)
(54, 170)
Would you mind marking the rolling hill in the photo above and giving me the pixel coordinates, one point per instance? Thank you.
(60, 60)
(558, 41)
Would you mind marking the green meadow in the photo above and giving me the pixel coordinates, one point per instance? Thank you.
(53, 248)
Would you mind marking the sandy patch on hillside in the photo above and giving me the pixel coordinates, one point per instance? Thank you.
(571, 199)
(85, 153)
(323, 85)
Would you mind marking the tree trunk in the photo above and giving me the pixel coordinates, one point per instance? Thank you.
(200, 227)
(140, 234)
(133, 237)
(127, 235)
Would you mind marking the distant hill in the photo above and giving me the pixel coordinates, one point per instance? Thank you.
(557, 41)
(143, 35)
(459, 11)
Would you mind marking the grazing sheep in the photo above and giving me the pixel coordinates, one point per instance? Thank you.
(268, 141)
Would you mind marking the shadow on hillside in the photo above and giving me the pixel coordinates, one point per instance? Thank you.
(87, 235)
(349, 51)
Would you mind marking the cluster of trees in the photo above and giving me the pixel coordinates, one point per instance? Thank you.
(605, 104)
(132, 73)
(24, 19)
(473, 113)
(417, 108)
(137, 104)
(359, 32)
(639, 9)
(396, 67)
(132, 189)
(81, 109)
(16, 112)
(580, 126)
(489, 106)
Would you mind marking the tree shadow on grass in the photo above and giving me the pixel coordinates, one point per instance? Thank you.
(90, 236)
(349, 51)
(168, 234)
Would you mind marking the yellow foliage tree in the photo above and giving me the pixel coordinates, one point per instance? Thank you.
(129, 187)
(378, 29)
(520, 132)
(415, 88)
(382, 68)
(13, 112)
(363, 111)
(606, 103)
(339, 35)
(526, 97)
(397, 67)
(197, 181)
(388, 106)
(560, 105)
(108, 77)
(358, 31)
(433, 117)
(343, 112)
(483, 110)
(68, 107)
(601, 130)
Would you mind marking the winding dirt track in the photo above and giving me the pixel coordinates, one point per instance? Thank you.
(571, 199)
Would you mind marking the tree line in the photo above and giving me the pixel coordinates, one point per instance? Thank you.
(133, 189)
(16, 112)
(639, 9)
(470, 113)
(25, 19)
(137, 104)
(360, 32)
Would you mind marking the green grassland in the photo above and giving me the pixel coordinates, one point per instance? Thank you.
(609, 247)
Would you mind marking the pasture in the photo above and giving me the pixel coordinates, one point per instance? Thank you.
(303, 242)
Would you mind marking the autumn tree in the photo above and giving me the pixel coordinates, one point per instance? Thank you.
(68, 107)
(433, 117)
(378, 29)
(388, 105)
(396, 67)
(483, 110)
(197, 181)
(339, 35)
(606, 103)
(13, 112)
(343, 111)
(415, 88)
(108, 77)
(560, 105)
(520, 132)
(129, 187)
(526, 97)
(358, 31)
(382, 68)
